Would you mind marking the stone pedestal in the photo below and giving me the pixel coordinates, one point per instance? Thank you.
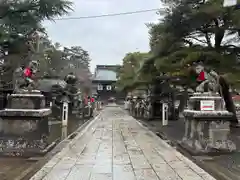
(127, 104)
(24, 124)
(132, 106)
(207, 125)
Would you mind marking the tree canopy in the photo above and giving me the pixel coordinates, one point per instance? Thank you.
(23, 38)
(195, 30)
(128, 74)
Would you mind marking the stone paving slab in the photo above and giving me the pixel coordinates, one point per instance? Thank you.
(114, 146)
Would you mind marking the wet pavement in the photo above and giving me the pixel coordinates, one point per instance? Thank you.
(12, 167)
(223, 166)
(116, 146)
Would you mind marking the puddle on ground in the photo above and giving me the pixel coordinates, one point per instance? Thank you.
(57, 131)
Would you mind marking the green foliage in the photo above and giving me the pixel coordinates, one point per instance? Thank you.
(62, 62)
(20, 24)
(21, 18)
(128, 75)
(24, 38)
(196, 31)
(191, 31)
(78, 56)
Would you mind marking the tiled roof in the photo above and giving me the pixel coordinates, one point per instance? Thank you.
(105, 75)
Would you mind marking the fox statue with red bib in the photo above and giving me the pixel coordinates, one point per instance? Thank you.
(208, 80)
(211, 81)
(25, 77)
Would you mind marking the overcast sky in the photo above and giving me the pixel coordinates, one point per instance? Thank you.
(106, 39)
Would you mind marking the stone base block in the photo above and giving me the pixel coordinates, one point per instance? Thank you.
(23, 128)
(23, 137)
(191, 148)
(207, 135)
(10, 146)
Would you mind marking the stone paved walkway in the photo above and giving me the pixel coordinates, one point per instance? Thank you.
(115, 146)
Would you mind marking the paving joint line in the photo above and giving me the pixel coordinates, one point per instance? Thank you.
(151, 164)
(176, 152)
(97, 151)
(82, 151)
(112, 149)
(141, 125)
(63, 151)
(131, 164)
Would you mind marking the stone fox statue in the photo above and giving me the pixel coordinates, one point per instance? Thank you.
(212, 82)
(25, 78)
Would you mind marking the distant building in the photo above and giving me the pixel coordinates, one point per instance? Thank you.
(104, 80)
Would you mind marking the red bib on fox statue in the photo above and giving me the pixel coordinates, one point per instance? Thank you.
(201, 76)
(28, 72)
(197, 73)
(201, 73)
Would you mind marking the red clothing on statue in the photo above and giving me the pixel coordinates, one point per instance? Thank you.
(28, 72)
(201, 76)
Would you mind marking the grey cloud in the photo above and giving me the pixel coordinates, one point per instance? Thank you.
(107, 39)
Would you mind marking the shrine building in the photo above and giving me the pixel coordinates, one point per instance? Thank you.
(104, 80)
